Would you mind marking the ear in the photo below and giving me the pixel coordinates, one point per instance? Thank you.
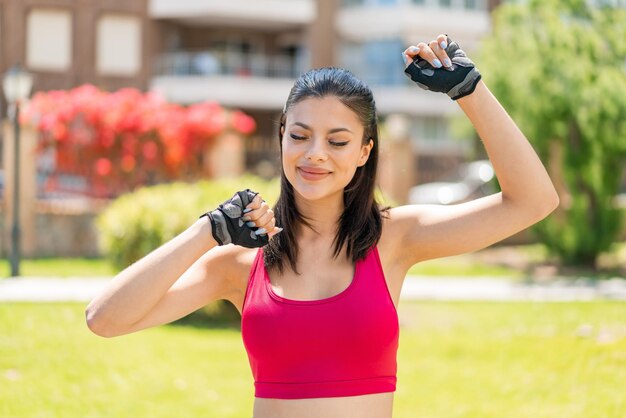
(365, 152)
(282, 130)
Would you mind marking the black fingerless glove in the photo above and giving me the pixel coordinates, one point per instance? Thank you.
(227, 226)
(457, 82)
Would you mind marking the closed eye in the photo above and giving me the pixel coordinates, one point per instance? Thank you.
(302, 138)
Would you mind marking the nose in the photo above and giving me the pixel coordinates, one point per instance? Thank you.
(316, 151)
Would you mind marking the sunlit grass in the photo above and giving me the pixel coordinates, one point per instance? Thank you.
(461, 266)
(478, 360)
(521, 262)
(60, 267)
(96, 267)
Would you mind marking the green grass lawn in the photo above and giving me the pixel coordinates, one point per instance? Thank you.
(461, 266)
(455, 360)
(60, 267)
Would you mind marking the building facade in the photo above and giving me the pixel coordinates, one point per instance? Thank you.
(245, 54)
(66, 43)
(372, 34)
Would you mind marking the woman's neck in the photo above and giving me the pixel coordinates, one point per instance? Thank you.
(323, 215)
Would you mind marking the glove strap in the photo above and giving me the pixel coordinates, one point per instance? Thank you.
(219, 229)
(467, 87)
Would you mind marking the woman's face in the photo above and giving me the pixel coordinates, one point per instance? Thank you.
(322, 147)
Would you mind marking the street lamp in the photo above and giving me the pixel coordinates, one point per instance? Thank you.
(16, 84)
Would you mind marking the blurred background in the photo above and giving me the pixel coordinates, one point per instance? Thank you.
(132, 117)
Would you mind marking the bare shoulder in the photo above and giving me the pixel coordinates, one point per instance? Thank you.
(234, 263)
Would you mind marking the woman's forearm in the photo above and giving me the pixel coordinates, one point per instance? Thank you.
(137, 289)
(522, 177)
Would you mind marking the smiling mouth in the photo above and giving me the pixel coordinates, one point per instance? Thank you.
(307, 175)
(313, 172)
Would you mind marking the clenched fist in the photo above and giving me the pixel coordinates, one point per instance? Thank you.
(244, 219)
(441, 66)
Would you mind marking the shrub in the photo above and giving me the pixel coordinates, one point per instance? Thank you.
(137, 223)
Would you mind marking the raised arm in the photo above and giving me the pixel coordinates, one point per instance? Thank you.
(528, 195)
(521, 174)
(522, 177)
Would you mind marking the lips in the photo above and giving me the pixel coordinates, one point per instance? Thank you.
(313, 176)
(314, 170)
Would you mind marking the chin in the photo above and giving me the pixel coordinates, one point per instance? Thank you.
(312, 191)
(311, 194)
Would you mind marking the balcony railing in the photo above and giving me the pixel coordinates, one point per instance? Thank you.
(264, 13)
(208, 63)
(440, 4)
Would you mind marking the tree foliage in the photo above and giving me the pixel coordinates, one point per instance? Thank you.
(559, 68)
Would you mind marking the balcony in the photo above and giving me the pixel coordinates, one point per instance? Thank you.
(210, 63)
(413, 21)
(257, 81)
(262, 14)
(411, 100)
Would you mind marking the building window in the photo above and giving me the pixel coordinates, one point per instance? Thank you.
(118, 45)
(377, 62)
(49, 40)
(382, 2)
(475, 4)
(349, 3)
(430, 129)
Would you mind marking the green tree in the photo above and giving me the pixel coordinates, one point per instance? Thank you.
(559, 68)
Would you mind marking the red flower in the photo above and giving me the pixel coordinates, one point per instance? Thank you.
(243, 123)
(128, 163)
(91, 128)
(107, 138)
(150, 150)
(103, 167)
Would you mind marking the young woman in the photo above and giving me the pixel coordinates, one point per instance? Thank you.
(319, 297)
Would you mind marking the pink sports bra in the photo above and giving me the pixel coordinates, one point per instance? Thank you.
(344, 345)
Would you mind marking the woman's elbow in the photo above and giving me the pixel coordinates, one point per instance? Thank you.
(548, 203)
(97, 325)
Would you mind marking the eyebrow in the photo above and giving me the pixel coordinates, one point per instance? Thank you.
(305, 126)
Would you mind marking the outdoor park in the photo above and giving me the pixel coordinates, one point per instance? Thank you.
(551, 344)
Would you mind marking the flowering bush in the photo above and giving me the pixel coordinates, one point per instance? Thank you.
(118, 141)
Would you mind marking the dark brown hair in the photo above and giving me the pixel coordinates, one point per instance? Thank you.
(360, 224)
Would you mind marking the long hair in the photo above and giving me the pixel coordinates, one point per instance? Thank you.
(360, 224)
